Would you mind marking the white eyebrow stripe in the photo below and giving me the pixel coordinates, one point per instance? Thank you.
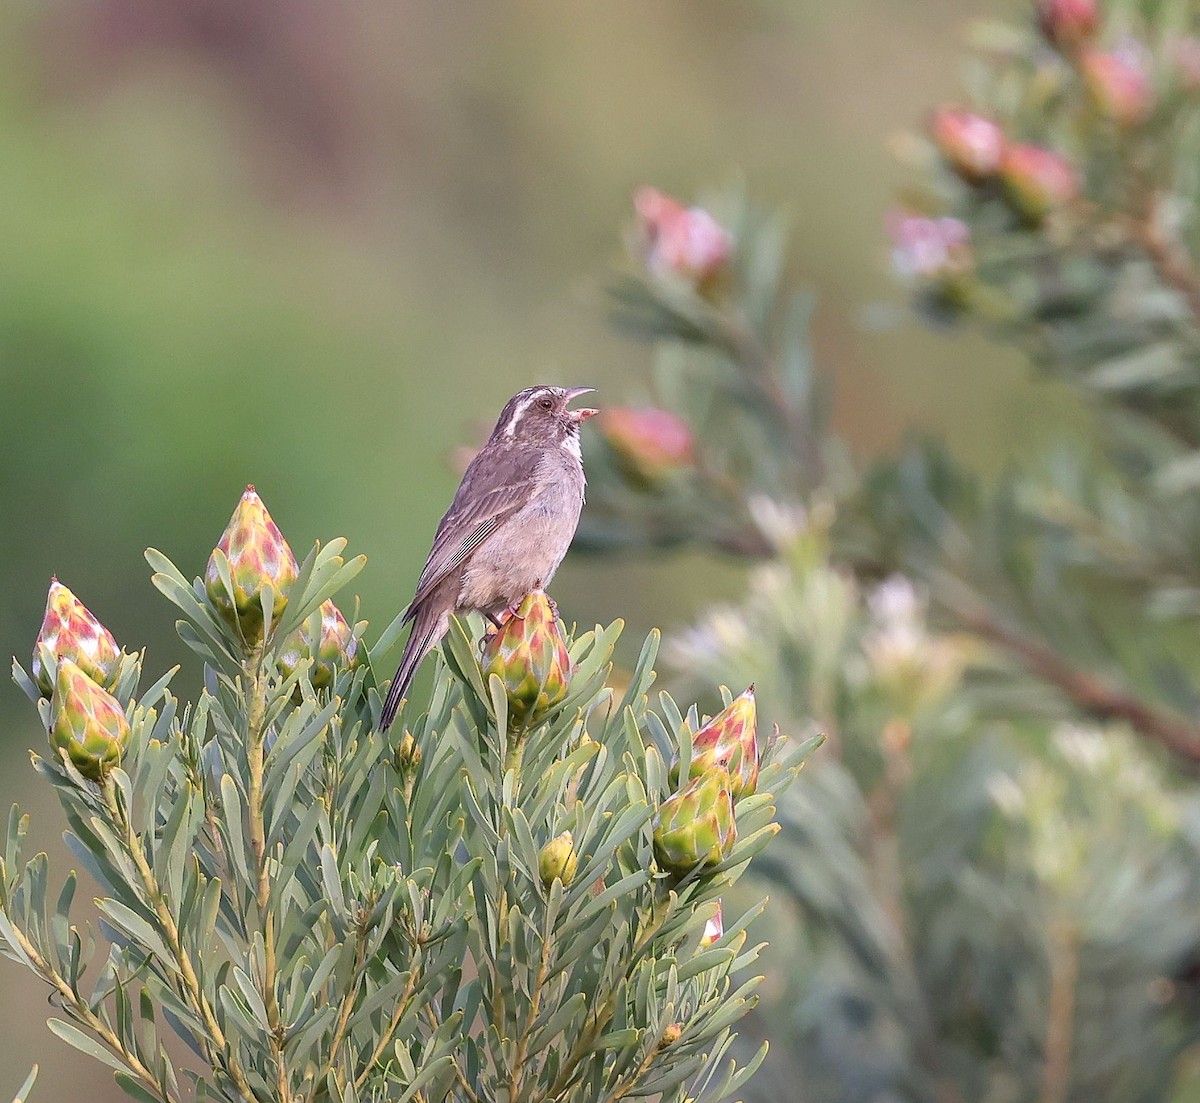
(518, 413)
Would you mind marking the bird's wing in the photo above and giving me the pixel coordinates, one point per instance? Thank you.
(498, 482)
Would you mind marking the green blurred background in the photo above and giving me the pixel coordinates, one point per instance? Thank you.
(313, 247)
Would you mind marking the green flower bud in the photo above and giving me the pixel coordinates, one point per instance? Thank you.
(558, 860)
(408, 755)
(258, 555)
(529, 654)
(69, 631)
(335, 649)
(729, 742)
(695, 826)
(88, 722)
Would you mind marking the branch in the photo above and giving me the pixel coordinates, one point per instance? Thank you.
(1171, 261)
(1090, 693)
(1060, 1013)
(88, 1017)
(220, 1054)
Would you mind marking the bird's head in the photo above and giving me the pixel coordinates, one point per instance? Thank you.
(542, 415)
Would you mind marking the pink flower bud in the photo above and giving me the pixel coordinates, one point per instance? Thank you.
(681, 242)
(70, 631)
(1119, 85)
(729, 743)
(1068, 23)
(529, 655)
(971, 144)
(934, 249)
(1037, 180)
(650, 443)
(714, 928)
(258, 557)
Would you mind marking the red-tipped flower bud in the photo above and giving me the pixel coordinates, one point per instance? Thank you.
(1119, 84)
(729, 743)
(1068, 23)
(335, 649)
(529, 655)
(680, 242)
(714, 928)
(558, 860)
(695, 826)
(258, 556)
(649, 443)
(971, 144)
(87, 722)
(1038, 181)
(70, 631)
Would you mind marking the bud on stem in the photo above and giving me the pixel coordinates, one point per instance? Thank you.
(695, 826)
(87, 722)
(258, 557)
(558, 860)
(529, 655)
(70, 631)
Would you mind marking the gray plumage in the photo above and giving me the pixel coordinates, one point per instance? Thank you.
(510, 524)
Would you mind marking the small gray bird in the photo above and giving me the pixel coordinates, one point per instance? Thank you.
(508, 528)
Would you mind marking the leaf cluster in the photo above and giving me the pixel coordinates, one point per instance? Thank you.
(317, 917)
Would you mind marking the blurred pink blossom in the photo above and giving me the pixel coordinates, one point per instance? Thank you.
(929, 248)
(1068, 22)
(972, 144)
(1119, 83)
(681, 241)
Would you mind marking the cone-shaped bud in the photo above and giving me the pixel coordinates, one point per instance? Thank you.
(1068, 23)
(1119, 84)
(971, 144)
(258, 555)
(729, 742)
(1037, 180)
(71, 632)
(87, 722)
(649, 443)
(336, 648)
(671, 1035)
(695, 826)
(558, 860)
(683, 243)
(529, 654)
(408, 755)
(714, 928)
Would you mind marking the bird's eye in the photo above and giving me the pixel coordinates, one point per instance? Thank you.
(545, 404)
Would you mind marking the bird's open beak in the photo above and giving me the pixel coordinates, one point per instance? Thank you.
(584, 412)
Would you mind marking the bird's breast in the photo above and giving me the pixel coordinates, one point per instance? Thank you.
(526, 548)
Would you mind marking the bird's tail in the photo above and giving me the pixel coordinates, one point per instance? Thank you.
(429, 626)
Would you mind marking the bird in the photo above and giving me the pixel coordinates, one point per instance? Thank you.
(507, 529)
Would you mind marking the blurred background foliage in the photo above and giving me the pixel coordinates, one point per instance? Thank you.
(313, 247)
